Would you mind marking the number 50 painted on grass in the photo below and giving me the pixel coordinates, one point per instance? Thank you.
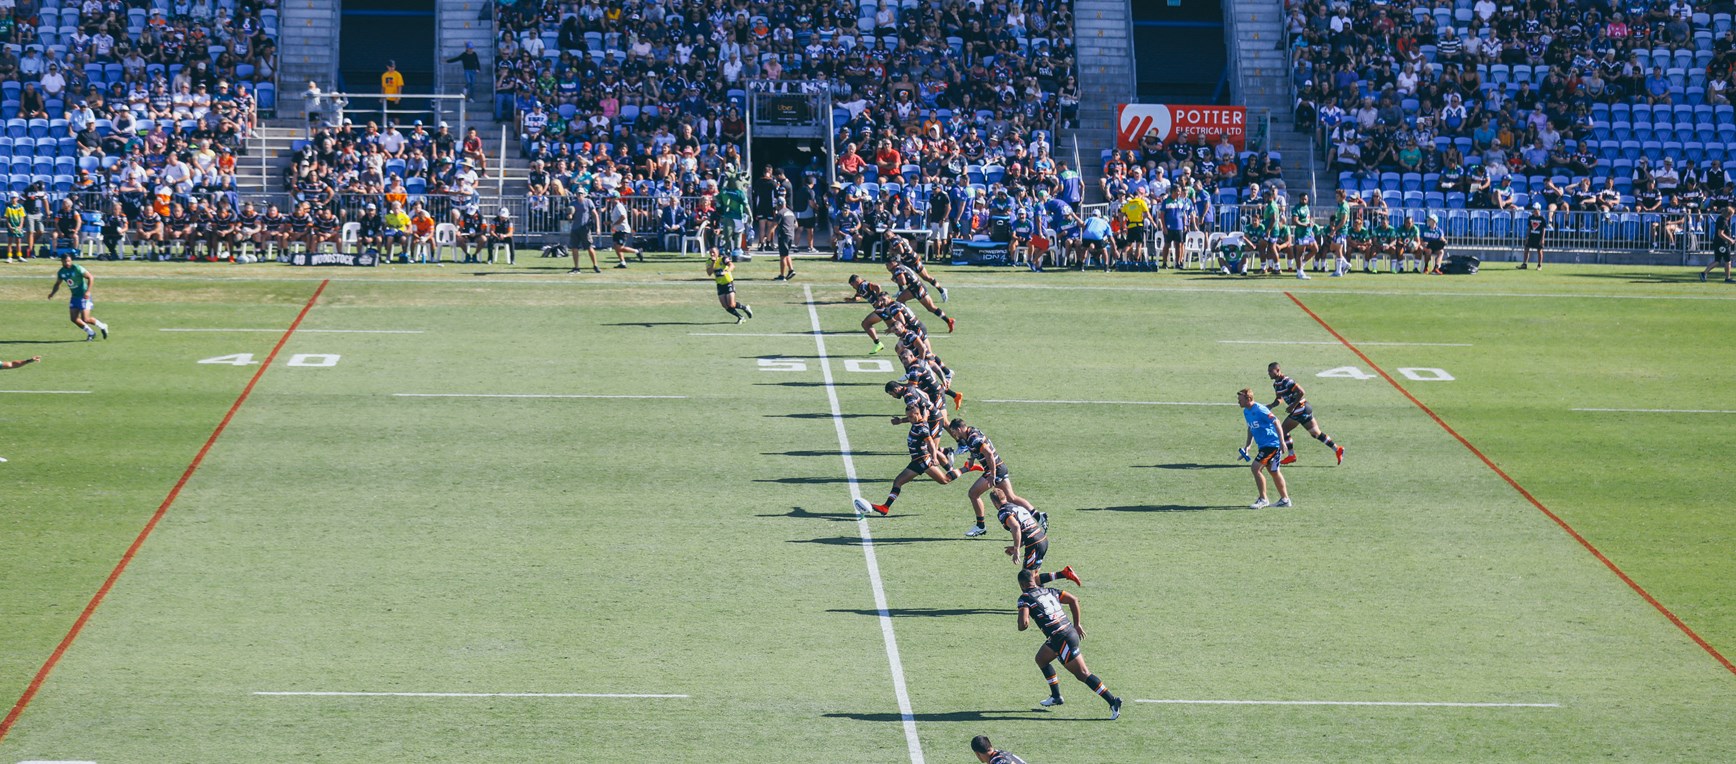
(312, 360)
(1413, 373)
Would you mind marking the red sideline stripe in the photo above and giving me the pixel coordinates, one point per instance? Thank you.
(162, 509)
(1634, 585)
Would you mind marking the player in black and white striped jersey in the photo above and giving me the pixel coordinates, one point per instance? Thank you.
(1295, 401)
(1049, 609)
(987, 753)
(1030, 530)
(922, 442)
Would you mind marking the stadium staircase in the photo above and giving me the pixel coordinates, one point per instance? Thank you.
(1265, 84)
(460, 22)
(1103, 32)
(308, 50)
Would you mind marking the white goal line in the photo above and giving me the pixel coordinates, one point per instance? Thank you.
(470, 695)
(1400, 703)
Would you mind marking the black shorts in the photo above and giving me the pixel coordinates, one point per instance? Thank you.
(1534, 240)
(784, 247)
(1721, 253)
(1065, 643)
(579, 238)
(806, 223)
(1001, 473)
(1034, 554)
(1172, 236)
(917, 292)
(918, 464)
(1302, 415)
(723, 289)
(1268, 458)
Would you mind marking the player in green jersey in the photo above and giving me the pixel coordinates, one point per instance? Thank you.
(78, 281)
(732, 209)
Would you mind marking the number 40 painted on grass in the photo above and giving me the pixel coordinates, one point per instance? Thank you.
(1413, 373)
(314, 360)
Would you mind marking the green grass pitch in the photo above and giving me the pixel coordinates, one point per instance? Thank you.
(365, 523)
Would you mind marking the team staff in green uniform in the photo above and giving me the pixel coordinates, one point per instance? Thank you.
(78, 282)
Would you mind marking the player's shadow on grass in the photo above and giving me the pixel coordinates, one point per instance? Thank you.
(803, 514)
(1633, 277)
(37, 342)
(831, 453)
(962, 716)
(1188, 466)
(1161, 508)
(825, 416)
(926, 612)
(783, 384)
(650, 324)
(803, 480)
(878, 541)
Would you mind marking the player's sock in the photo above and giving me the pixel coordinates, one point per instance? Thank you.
(892, 497)
(1289, 444)
(979, 524)
(89, 332)
(953, 474)
(1044, 578)
(732, 311)
(1100, 688)
(1327, 439)
(1054, 681)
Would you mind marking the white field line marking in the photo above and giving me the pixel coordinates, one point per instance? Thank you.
(56, 761)
(1108, 403)
(1664, 411)
(45, 392)
(532, 395)
(566, 284)
(305, 331)
(1359, 344)
(469, 695)
(1347, 703)
(874, 581)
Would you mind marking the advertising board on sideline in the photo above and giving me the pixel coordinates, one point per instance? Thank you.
(1174, 122)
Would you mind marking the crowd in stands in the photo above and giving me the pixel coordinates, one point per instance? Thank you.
(130, 101)
(647, 97)
(1620, 107)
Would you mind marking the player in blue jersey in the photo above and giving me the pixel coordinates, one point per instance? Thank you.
(1177, 213)
(1263, 432)
(1065, 225)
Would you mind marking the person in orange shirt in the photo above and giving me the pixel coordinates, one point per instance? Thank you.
(421, 233)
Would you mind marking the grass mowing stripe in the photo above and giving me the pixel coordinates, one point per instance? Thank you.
(1661, 411)
(533, 395)
(1108, 403)
(1632, 584)
(906, 715)
(45, 392)
(468, 695)
(306, 331)
(35, 685)
(1367, 344)
(1417, 704)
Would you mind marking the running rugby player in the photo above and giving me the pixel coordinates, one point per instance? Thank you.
(1048, 607)
(1300, 414)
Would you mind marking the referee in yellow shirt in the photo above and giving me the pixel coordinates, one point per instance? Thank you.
(1133, 212)
(391, 82)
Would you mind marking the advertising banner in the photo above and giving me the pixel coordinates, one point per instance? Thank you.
(368, 258)
(1172, 122)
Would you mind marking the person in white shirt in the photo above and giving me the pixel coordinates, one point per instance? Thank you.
(53, 83)
(1485, 9)
(392, 141)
